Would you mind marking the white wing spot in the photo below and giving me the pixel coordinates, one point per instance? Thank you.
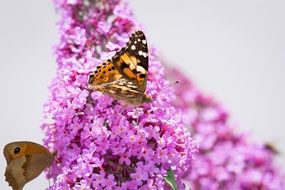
(133, 47)
(112, 91)
(144, 41)
(142, 53)
(140, 69)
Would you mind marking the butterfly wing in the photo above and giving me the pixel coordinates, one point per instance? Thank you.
(14, 173)
(132, 60)
(122, 89)
(104, 73)
(25, 161)
(35, 164)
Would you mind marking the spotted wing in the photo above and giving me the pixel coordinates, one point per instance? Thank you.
(104, 73)
(132, 60)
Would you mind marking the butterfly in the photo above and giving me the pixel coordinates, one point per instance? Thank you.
(124, 76)
(25, 161)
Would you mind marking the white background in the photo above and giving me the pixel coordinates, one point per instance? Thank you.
(234, 50)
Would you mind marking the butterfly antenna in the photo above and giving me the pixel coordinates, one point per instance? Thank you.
(169, 85)
(166, 87)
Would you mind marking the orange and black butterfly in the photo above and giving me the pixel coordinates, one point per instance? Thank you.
(124, 76)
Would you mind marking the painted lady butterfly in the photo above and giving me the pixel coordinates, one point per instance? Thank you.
(124, 76)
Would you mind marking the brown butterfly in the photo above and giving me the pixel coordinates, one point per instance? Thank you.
(124, 76)
(25, 161)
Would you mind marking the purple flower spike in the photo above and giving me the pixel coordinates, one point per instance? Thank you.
(226, 159)
(100, 143)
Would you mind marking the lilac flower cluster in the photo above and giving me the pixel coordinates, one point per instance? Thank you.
(226, 159)
(100, 143)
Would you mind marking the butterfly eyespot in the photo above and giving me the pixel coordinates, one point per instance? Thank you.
(141, 75)
(101, 77)
(104, 72)
(99, 67)
(17, 150)
(109, 69)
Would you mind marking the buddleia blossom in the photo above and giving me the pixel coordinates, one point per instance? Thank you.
(226, 159)
(100, 143)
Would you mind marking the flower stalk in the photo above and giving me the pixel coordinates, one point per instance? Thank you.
(100, 143)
